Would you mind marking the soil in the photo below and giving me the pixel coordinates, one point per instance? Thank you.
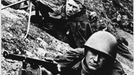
(41, 45)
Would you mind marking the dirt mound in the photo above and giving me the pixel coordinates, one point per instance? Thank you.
(41, 45)
(38, 43)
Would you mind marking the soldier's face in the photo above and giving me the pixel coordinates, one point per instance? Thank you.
(72, 7)
(95, 60)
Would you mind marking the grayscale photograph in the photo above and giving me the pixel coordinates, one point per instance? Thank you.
(67, 37)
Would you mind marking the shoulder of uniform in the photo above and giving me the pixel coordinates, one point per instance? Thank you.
(76, 66)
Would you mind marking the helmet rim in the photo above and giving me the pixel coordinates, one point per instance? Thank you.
(104, 42)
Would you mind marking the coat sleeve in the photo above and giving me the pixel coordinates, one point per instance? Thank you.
(70, 58)
(118, 69)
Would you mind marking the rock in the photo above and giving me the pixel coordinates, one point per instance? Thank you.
(41, 51)
(29, 54)
(40, 44)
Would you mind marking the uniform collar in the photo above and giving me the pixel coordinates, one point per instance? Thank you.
(85, 70)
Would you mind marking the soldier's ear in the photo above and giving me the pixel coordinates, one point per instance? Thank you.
(85, 50)
(80, 6)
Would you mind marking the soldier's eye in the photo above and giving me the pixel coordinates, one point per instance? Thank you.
(72, 6)
(69, 4)
(75, 7)
(103, 55)
(93, 51)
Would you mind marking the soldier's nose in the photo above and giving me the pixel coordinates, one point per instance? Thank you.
(96, 58)
(70, 8)
(70, 11)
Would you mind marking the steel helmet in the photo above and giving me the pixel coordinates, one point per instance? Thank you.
(104, 42)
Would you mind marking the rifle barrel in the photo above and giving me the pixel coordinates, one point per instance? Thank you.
(13, 56)
(48, 65)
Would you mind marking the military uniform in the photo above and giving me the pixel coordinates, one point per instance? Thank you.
(80, 66)
(70, 29)
(81, 69)
(73, 63)
(80, 28)
(99, 57)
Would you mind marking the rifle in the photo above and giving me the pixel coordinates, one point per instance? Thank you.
(49, 65)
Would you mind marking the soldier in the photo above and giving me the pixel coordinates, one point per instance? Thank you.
(99, 57)
(69, 22)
